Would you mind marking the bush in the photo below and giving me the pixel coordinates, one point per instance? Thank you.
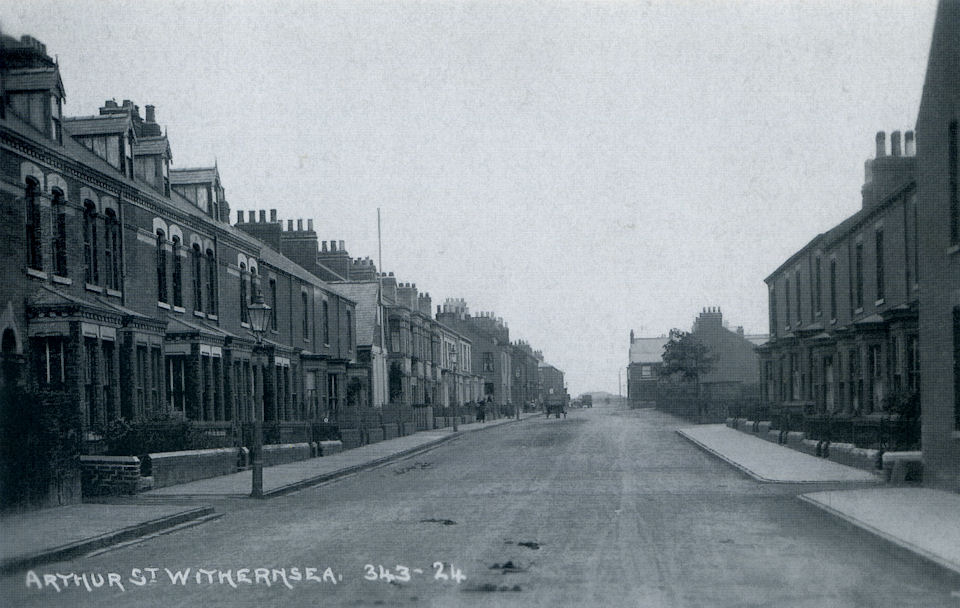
(40, 442)
(160, 434)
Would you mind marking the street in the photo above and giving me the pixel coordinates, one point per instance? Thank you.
(606, 507)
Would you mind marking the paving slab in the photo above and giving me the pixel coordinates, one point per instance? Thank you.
(921, 520)
(284, 478)
(62, 532)
(769, 462)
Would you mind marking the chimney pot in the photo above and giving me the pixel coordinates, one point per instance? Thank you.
(909, 144)
(263, 216)
(895, 143)
(273, 215)
(150, 113)
(342, 247)
(323, 244)
(251, 216)
(333, 245)
(239, 216)
(310, 224)
(299, 225)
(881, 144)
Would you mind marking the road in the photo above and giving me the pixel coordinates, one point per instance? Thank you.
(604, 508)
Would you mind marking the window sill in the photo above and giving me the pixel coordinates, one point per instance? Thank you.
(179, 309)
(61, 280)
(197, 313)
(213, 317)
(114, 293)
(163, 305)
(880, 302)
(95, 288)
(37, 274)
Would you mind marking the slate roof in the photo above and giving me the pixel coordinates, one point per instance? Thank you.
(197, 175)
(152, 145)
(364, 293)
(32, 79)
(757, 339)
(97, 125)
(647, 350)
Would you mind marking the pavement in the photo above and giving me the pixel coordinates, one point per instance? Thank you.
(923, 521)
(59, 533)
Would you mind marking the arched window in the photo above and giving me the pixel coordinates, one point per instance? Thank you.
(326, 322)
(211, 282)
(177, 274)
(34, 233)
(161, 267)
(91, 272)
(111, 250)
(59, 233)
(243, 293)
(197, 278)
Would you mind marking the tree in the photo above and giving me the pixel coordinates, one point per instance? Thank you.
(686, 359)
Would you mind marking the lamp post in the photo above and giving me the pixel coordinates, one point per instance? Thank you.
(453, 361)
(259, 314)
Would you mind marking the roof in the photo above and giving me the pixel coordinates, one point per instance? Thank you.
(32, 79)
(364, 293)
(757, 339)
(97, 125)
(197, 175)
(647, 350)
(274, 258)
(151, 145)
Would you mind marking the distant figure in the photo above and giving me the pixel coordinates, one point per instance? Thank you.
(481, 412)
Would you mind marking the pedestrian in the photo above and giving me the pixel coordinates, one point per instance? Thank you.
(481, 413)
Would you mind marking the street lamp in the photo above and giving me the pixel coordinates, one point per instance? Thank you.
(259, 314)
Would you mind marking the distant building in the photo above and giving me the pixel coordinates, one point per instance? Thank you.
(552, 384)
(646, 359)
(938, 209)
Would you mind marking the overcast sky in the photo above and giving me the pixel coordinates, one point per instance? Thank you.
(581, 169)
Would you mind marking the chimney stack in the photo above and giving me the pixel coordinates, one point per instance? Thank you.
(251, 216)
(909, 145)
(310, 224)
(150, 113)
(881, 144)
(342, 248)
(263, 216)
(895, 143)
(333, 245)
(239, 216)
(323, 244)
(299, 225)
(273, 216)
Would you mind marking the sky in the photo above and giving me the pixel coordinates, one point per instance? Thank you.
(582, 169)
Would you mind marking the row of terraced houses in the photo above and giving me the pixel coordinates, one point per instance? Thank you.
(127, 292)
(864, 342)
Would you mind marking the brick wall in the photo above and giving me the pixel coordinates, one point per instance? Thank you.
(109, 475)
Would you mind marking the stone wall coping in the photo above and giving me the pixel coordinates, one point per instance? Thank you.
(286, 446)
(183, 453)
(131, 460)
(331, 442)
(902, 456)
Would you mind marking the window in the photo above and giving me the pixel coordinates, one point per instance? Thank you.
(646, 371)
(273, 304)
(879, 252)
(828, 383)
(488, 362)
(141, 379)
(786, 291)
(856, 381)
(816, 288)
(395, 340)
(59, 233)
(111, 249)
(799, 299)
(913, 363)
(876, 377)
(953, 157)
(161, 267)
(326, 322)
(305, 306)
(332, 394)
(56, 129)
(197, 278)
(50, 360)
(349, 330)
(859, 276)
(177, 274)
(212, 283)
(243, 293)
(91, 268)
(176, 382)
(34, 236)
(833, 289)
(895, 363)
(773, 310)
